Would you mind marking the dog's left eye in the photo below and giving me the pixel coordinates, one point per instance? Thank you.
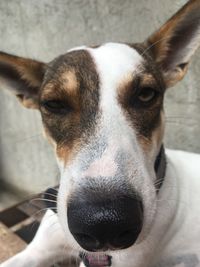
(147, 94)
(55, 106)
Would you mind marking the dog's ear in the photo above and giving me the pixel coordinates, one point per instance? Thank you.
(176, 41)
(23, 77)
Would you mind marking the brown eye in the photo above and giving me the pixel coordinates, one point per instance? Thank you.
(56, 106)
(147, 95)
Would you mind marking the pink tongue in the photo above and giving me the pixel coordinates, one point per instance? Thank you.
(98, 261)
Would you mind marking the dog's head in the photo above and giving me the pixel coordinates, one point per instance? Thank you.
(102, 109)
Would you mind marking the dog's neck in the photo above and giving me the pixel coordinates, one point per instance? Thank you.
(160, 167)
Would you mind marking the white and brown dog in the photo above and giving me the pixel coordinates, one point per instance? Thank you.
(123, 200)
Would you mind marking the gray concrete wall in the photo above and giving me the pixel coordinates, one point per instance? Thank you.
(43, 29)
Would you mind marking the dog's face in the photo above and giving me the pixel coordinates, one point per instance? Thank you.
(102, 109)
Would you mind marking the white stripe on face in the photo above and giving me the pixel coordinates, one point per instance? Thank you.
(105, 166)
(115, 63)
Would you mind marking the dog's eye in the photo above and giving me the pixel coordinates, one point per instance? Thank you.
(56, 106)
(147, 94)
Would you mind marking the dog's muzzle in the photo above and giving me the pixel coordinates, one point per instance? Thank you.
(100, 223)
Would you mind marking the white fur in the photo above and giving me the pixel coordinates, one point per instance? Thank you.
(105, 166)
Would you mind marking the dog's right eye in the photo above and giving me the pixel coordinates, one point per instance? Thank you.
(55, 106)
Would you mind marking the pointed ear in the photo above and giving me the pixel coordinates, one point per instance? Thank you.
(23, 77)
(173, 45)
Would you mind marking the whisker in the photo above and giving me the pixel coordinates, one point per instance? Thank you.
(42, 199)
(54, 188)
(49, 194)
(35, 214)
(44, 209)
(29, 138)
(155, 43)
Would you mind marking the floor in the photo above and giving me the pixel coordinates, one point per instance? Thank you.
(7, 199)
(9, 244)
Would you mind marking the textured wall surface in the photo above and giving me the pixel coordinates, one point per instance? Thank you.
(43, 29)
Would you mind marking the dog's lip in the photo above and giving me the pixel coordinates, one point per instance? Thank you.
(96, 260)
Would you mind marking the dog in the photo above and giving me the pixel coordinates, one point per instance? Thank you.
(124, 200)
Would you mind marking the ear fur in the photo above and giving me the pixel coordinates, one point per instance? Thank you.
(23, 77)
(173, 45)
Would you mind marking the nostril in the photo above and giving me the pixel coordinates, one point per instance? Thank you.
(125, 235)
(126, 238)
(88, 241)
(85, 238)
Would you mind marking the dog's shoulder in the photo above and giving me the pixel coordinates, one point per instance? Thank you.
(183, 183)
(186, 164)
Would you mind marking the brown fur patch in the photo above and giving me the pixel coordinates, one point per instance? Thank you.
(145, 119)
(72, 79)
(67, 152)
(156, 139)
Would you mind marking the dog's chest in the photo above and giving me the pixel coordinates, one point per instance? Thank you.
(185, 260)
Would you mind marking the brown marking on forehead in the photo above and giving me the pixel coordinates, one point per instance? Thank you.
(125, 84)
(131, 82)
(65, 88)
(70, 82)
(144, 119)
(64, 78)
(147, 79)
(73, 80)
(150, 65)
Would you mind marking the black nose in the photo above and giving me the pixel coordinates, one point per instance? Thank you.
(101, 224)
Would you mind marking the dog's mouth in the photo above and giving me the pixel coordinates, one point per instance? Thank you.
(96, 260)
